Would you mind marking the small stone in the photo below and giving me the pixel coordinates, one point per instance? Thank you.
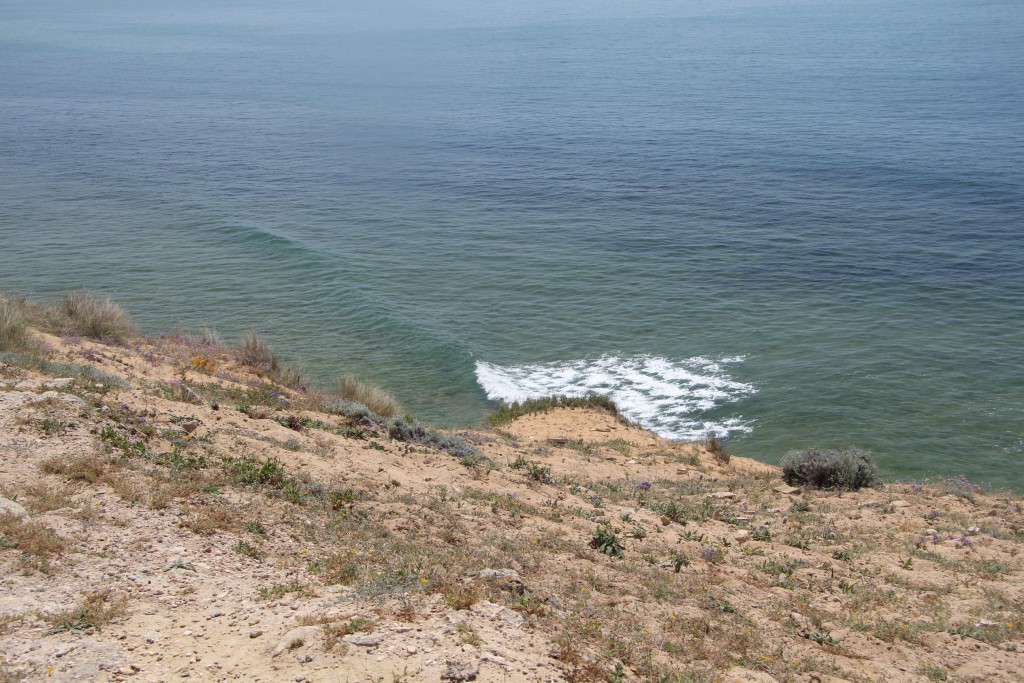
(411, 649)
(460, 671)
(900, 504)
(255, 634)
(510, 617)
(499, 573)
(741, 536)
(973, 531)
(362, 641)
(295, 638)
(786, 490)
(722, 495)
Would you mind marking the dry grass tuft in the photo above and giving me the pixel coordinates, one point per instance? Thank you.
(98, 610)
(37, 543)
(210, 519)
(373, 397)
(14, 333)
(91, 468)
(97, 317)
(257, 354)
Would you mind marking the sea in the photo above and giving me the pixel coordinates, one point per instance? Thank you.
(788, 224)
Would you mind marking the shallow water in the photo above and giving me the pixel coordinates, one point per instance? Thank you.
(795, 224)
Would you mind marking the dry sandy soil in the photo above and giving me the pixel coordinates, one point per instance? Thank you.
(171, 513)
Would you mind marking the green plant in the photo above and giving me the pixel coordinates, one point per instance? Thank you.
(243, 548)
(849, 469)
(819, 638)
(679, 560)
(606, 541)
(98, 610)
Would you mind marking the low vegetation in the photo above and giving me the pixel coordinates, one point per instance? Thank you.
(243, 508)
(849, 469)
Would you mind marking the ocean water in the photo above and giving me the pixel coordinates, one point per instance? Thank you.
(785, 223)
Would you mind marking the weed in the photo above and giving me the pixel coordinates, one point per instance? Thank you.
(243, 548)
(282, 589)
(255, 528)
(37, 543)
(98, 610)
(467, 634)
(679, 560)
(717, 450)
(819, 637)
(605, 541)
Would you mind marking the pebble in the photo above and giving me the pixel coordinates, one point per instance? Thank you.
(255, 634)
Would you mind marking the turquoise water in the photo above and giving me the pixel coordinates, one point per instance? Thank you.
(792, 224)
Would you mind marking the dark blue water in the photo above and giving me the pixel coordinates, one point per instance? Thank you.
(793, 223)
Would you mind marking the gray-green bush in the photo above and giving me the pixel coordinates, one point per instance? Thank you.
(849, 469)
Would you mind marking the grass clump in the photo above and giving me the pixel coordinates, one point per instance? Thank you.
(373, 397)
(507, 412)
(849, 469)
(98, 610)
(255, 353)
(97, 317)
(14, 333)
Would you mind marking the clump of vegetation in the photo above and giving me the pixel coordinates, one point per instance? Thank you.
(257, 354)
(849, 469)
(717, 450)
(507, 412)
(373, 397)
(98, 610)
(411, 431)
(37, 543)
(13, 326)
(606, 541)
(97, 317)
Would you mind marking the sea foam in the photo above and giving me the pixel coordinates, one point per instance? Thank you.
(670, 397)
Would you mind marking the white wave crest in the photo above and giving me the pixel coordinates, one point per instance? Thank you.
(667, 397)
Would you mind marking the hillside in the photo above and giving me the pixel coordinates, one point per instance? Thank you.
(177, 508)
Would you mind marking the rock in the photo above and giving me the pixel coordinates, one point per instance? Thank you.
(255, 634)
(973, 531)
(494, 659)
(786, 490)
(460, 671)
(9, 507)
(900, 504)
(722, 495)
(741, 536)
(362, 640)
(499, 573)
(295, 638)
(665, 521)
(511, 618)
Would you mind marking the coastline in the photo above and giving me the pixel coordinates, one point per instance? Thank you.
(182, 508)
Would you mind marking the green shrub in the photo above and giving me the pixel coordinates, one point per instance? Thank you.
(97, 317)
(849, 469)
